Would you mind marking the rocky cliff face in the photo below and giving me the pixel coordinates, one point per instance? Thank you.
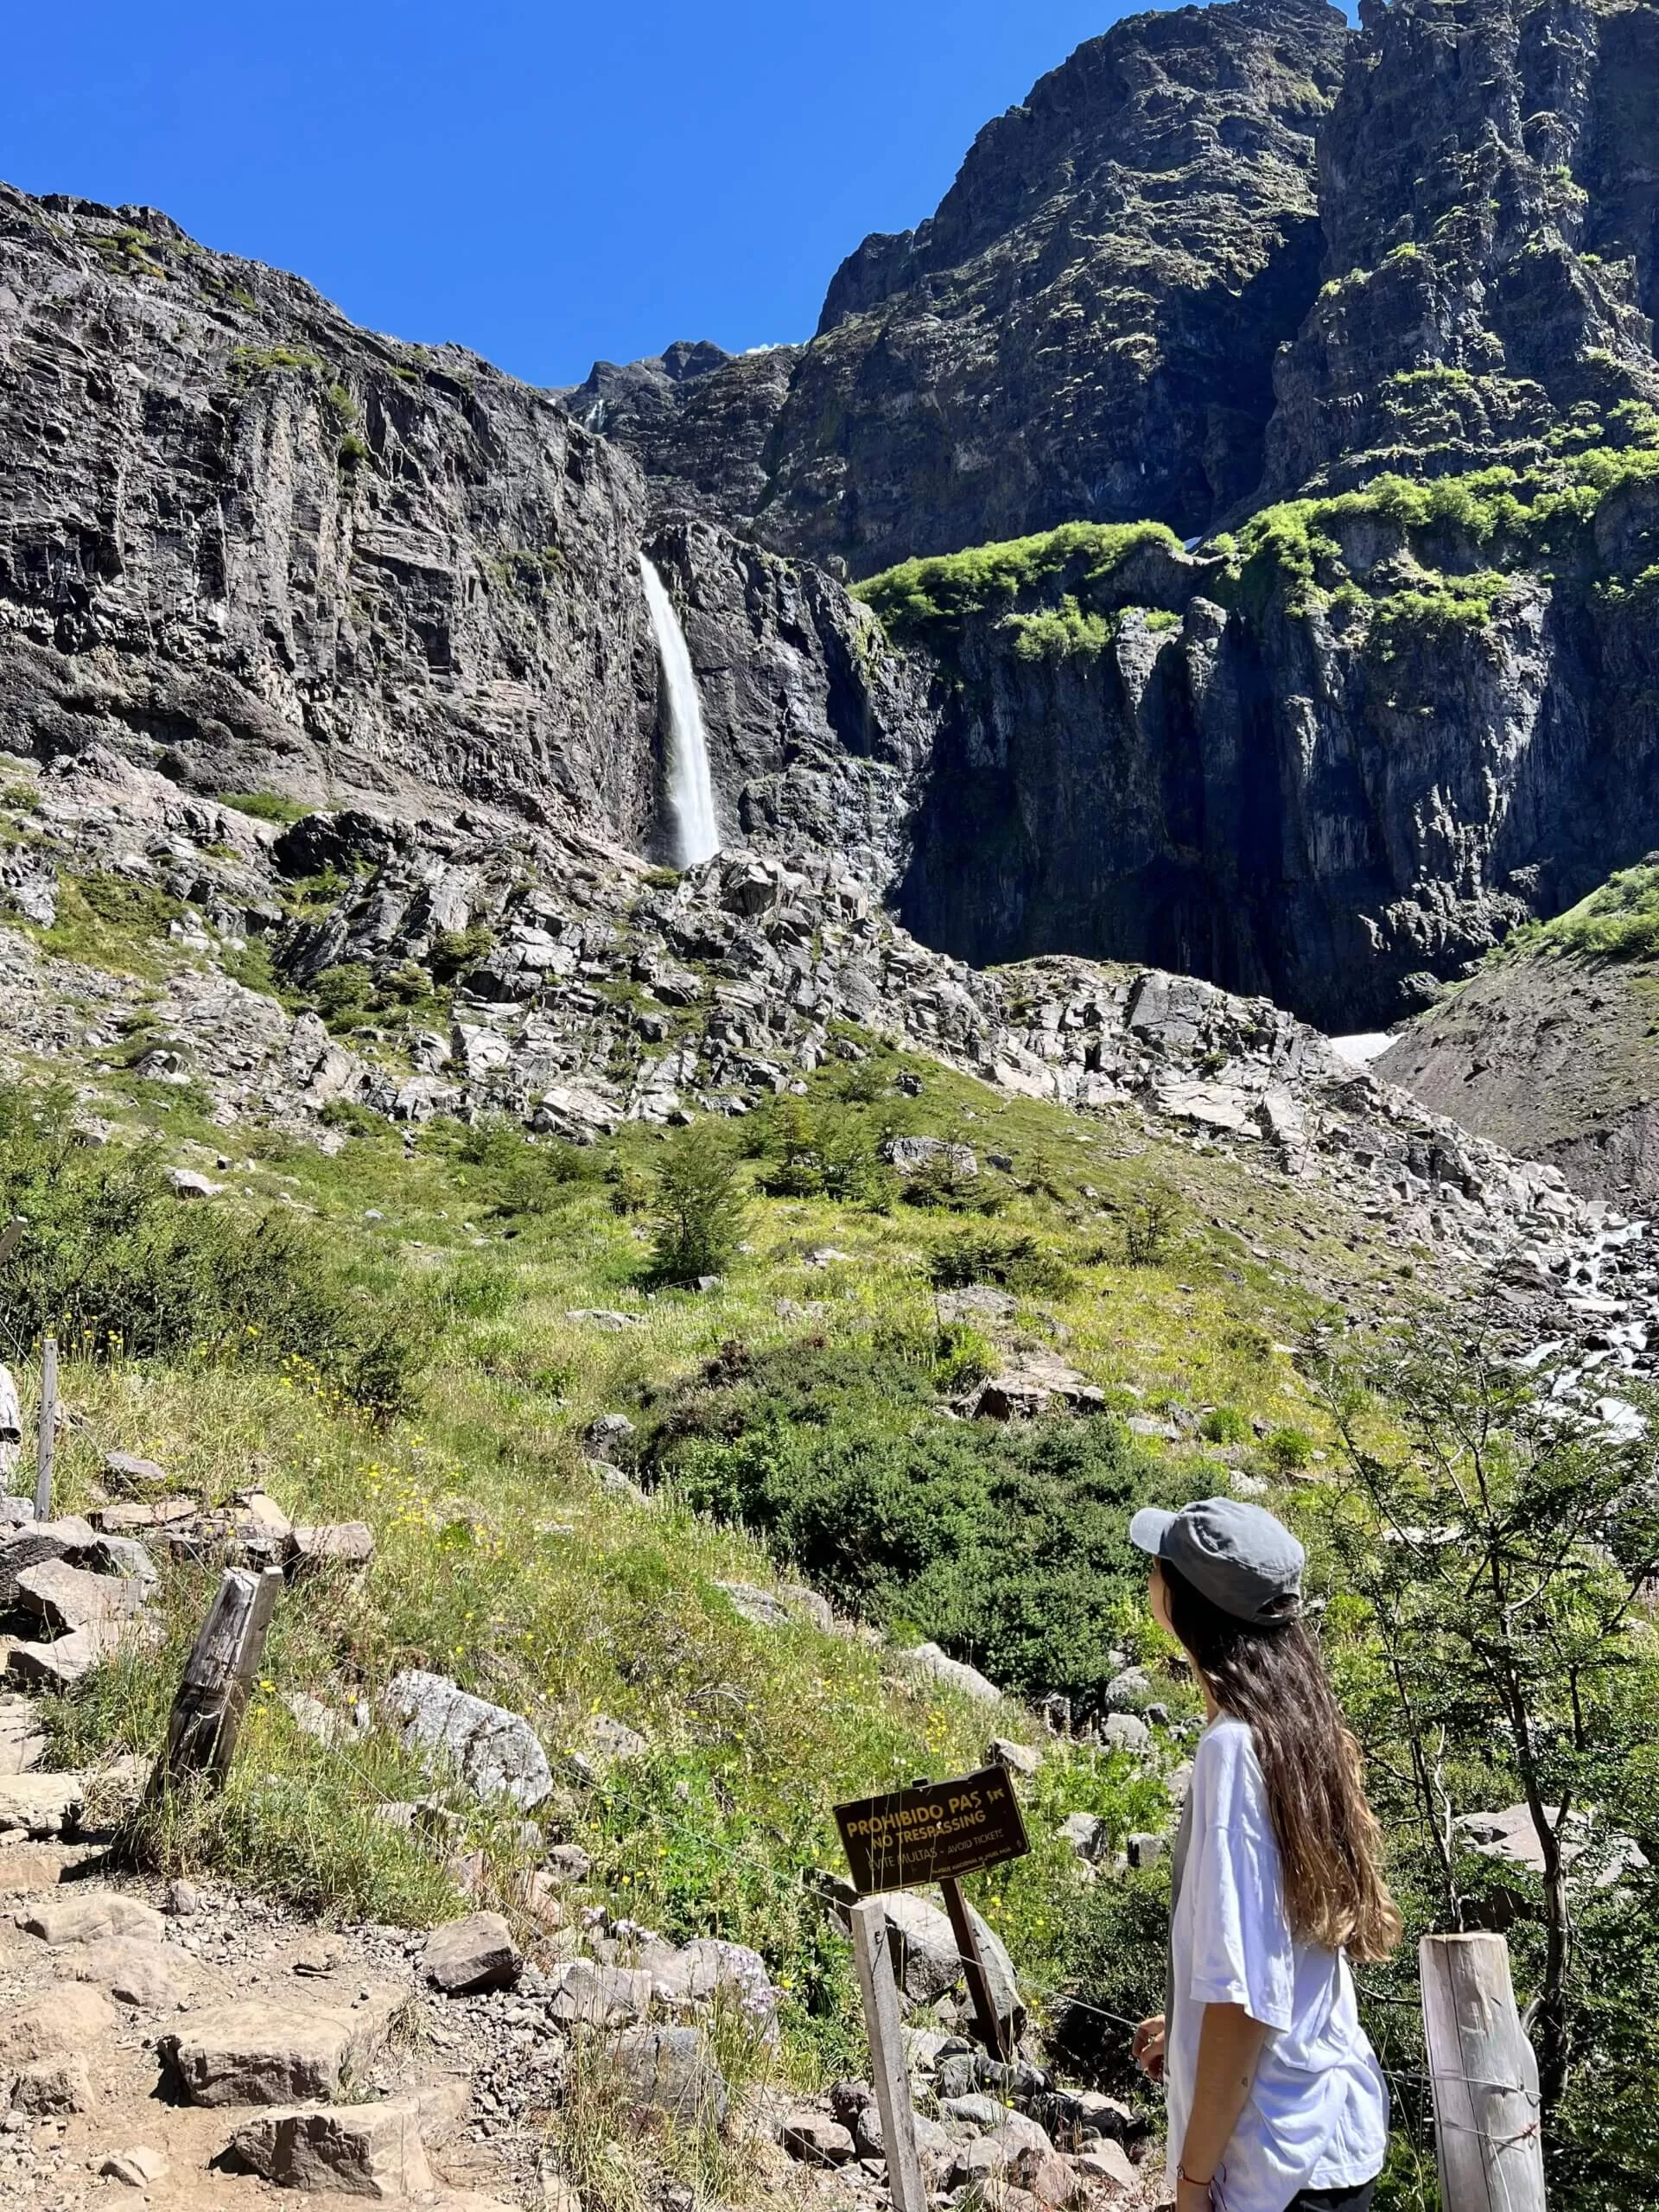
(259, 549)
(1486, 187)
(1085, 329)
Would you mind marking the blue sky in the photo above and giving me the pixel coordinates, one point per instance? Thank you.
(544, 183)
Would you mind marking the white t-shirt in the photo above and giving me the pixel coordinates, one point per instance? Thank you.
(1317, 2113)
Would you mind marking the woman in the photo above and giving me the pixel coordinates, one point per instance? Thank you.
(1276, 2097)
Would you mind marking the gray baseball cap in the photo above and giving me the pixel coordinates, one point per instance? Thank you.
(1235, 1554)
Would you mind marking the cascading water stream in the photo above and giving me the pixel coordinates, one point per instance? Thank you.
(690, 785)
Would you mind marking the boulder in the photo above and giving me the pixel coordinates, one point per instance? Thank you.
(337, 1543)
(41, 1806)
(1107, 2169)
(604, 1438)
(21, 1744)
(259, 2054)
(1125, 1731)
(1131, 1691)
(1013, 2131)
(1014, 1759)
(141, 2168)
(496, 1753)
(477, 1953)
(934, 2145)
(1088, 1834)
(186, 1184)
(583, 1991)
(53, 2089)
(127, 1559)
(68, 1597)
(816, 2139)
(1045, 2175)
(63, 2025)
(693, 1974)
(375, 2151)
(669, 2074)
(929, 1964)
(128, 1476)
(151, 1977)
(928, 1661)
(94, 1919)
(910, 1156)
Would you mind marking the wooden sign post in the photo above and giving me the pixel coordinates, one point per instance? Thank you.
(1488, 2136)
(49, 1432)
(938, 1831)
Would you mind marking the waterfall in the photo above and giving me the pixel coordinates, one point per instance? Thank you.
(690, 786)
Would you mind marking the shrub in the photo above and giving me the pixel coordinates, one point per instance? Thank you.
(820, 1147)
(264, 806)
(1008, 1546)
(454, 952)
(1287, 1449)
(343, 993)
(1225, 1425)
(699, 1205)
(1113, 1960)
(1010, 1263)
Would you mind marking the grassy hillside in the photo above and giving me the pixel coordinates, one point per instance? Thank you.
(418, 1331)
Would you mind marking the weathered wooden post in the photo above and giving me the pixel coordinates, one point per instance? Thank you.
(218, 1678)
(48, 1430)
(889, 2071)
(1488, 2131)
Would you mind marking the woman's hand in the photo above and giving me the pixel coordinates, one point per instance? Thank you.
(1147, 2048)
(1194, 2195)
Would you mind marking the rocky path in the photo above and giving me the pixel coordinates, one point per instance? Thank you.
(188, 2049)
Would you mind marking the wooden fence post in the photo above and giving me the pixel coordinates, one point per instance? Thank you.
(48, 1433)
(219, 1677)
(1488, 2130)
(888, 2070)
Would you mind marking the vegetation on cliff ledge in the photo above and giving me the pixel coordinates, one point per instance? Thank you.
(1069, 573)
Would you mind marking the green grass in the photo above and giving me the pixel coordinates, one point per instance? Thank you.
(265, 806)
(1619, 922)
(111, 923)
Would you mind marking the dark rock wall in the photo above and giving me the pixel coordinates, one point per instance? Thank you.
(1269, 799)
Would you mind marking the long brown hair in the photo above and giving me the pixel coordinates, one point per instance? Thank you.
(1272, 1678)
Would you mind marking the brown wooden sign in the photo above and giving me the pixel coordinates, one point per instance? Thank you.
(934, 1833)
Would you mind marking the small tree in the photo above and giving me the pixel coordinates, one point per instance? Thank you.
(699, 1209)
(1149, 1226)
(1502, 1548)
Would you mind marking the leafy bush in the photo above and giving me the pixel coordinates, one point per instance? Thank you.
(924, 602)
(1289, 1449)
(1008, 1546)
(699, 1205)
(1116, 1945)
(524, 1175)
(264, 806)
(1619, 922)
(343, 993)
(113, 1262)
(1225, 1425)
